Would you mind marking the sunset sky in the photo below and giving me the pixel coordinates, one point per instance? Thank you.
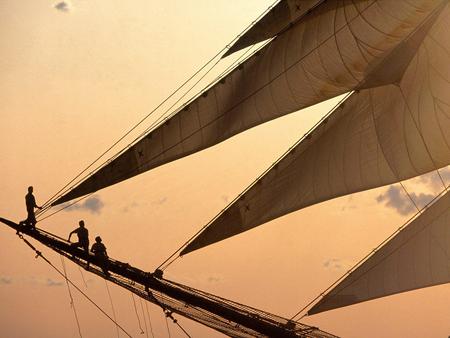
(74, 77)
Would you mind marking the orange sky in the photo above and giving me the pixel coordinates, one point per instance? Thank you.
(72, 81)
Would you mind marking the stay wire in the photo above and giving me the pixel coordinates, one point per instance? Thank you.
(365, 258)
(112, 306)
(82, 277)
(143, 316)
(39, 219)
(167, 325)
(39, 254)
(137, 314)
(72, 303)
(58, 193)
(149, 320)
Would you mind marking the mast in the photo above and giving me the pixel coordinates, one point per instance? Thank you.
(228, 317)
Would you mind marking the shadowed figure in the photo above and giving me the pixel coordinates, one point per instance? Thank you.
(83, 237)
(99, 250)
(30, 202)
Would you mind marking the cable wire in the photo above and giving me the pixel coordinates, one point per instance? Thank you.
(112, 306)
(72, 303)
(149, 320)
(137, 314)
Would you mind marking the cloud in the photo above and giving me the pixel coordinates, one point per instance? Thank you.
(51, 282)
(215, 279)
(396, 199)
(334, 264)
(127, 208)
(92, 204)
(62, 6)
(5, 280)
(434, 181)
(160, 201)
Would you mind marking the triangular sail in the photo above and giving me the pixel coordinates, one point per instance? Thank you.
(417, 257)
(327, 53)
(378, 136)
(279, 18)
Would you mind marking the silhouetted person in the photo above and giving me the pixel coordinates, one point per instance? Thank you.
(83, 237)
(30, 202)
(99, 250)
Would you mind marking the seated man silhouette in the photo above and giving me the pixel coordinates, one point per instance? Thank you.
(30, 202)
(83, 237)
(99, 250)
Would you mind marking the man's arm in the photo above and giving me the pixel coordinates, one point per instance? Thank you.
(70, 235)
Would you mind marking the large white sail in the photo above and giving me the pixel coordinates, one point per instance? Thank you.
(328, 52)
(378, 136)
(417, 257)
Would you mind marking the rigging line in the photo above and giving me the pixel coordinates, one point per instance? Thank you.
(143, 316)
(361, 261)
(167, 324)
(68, 205)
(178, 324)
(72, 303)
(39, 254)
(112, 306)
(227, 47)
(416, 123)
(137, 315)
(163, 265)
(149, 320)
(82, 277)
(410, 197)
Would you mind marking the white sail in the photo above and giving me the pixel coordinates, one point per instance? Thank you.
(377, 137)
(417, 257)
(329, 52)
(278, 19)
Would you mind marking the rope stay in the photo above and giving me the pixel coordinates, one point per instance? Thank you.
(39, 254)
(72, 303)
(143, 316)
(297, 316)
(112, 307)
(137, 314)
(149, 320)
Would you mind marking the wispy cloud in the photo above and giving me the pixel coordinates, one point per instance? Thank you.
(92, 204)
(335, 264)
(160, 201)
(128, 207)
(215, 279)
(51, 282)
(434, 180)
(63, 6)
(396, 199)
(5, 280)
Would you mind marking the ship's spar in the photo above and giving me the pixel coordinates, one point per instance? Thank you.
(230, 318)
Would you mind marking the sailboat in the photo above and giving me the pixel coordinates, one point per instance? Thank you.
(390, 59)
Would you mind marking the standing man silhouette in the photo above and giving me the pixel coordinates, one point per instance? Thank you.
(30, 202)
